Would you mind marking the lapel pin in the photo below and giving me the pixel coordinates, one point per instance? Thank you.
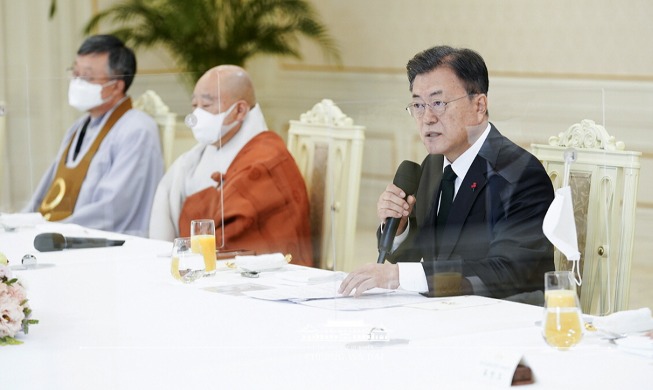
(473, 186)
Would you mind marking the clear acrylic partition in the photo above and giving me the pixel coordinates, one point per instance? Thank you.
(36, 115)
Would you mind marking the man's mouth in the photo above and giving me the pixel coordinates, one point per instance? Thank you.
(431, 134)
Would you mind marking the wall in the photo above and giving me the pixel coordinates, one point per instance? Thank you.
(551, 64)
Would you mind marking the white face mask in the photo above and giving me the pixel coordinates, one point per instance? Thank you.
(83, 95)
(207, 128)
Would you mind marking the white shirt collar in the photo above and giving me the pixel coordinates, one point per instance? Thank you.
(462, 163)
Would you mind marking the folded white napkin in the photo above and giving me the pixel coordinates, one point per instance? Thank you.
(260, 263)
(629, 321)
(639, 345)
(21, 220)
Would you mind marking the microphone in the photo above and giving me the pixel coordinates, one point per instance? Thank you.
(406, 178)
(49, 242)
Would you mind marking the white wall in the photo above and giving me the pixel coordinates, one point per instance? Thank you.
(35, 55)
(551, 64)
(528, 110)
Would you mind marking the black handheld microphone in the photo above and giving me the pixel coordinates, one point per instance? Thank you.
(406, 178)
(49, 242)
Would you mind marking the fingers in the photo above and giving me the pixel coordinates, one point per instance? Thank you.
(358, 285)
(368, 277)
(349, 283)
(391, 203)
(411, 200)
(366, 284)
(355, 279)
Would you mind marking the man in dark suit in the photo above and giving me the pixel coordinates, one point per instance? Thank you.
(492, 229)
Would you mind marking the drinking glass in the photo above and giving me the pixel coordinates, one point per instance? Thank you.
(185, 265)
(447, 277)
(562, 325)
(202, 237)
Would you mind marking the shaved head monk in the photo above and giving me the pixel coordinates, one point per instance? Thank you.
(239, 173)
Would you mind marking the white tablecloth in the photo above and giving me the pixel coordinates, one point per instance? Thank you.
(113, 318)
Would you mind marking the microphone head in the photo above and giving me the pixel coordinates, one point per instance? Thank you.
(407, 177)
(49, 242)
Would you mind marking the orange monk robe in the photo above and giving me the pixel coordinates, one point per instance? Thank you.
(265, 203)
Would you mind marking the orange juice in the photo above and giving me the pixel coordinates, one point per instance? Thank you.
(447, 283)
(174, 268)
(205, 244)
(560, 298)
(562, 327)
(562, 322)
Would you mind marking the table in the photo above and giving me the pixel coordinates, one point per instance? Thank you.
(113, 318)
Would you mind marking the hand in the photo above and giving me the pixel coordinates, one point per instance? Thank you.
(218, 177)
(370, 276)
(391, 204)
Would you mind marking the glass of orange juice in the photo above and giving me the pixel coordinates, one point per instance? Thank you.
(562, 326)
(202, 238)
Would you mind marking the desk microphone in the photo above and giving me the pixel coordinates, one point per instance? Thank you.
(406, 178)
(49, 242)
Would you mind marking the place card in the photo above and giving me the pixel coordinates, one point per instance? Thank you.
(502, 369)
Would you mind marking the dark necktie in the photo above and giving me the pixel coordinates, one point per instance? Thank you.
(446, 198)
(81, 138)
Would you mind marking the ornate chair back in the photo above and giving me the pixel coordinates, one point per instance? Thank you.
(152, 104)
(603, 181)
(328, 149)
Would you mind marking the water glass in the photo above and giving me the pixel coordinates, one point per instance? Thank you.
(562, 326)
(185, 266)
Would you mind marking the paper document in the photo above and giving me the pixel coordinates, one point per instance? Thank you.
(368, 302)
(326, 290)
(326, 296)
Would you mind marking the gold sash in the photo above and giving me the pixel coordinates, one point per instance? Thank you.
(59, 202)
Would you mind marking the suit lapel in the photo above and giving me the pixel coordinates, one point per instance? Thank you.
(428, 189)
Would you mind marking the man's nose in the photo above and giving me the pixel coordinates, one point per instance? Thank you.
(429, 117)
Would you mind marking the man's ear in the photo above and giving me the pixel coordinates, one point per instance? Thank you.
(117, 88)
(242, 108)
(481, 105)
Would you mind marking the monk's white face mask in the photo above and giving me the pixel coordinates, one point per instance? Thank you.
(84, 96)
(208, 128)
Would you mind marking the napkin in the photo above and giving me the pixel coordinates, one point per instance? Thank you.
(260, 263)
(629, 321)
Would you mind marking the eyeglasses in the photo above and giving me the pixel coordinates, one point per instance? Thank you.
(416, 110)
(73, 74)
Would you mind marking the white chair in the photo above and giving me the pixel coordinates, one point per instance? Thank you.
(603, 180)
(152, 104)
(328, 149)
